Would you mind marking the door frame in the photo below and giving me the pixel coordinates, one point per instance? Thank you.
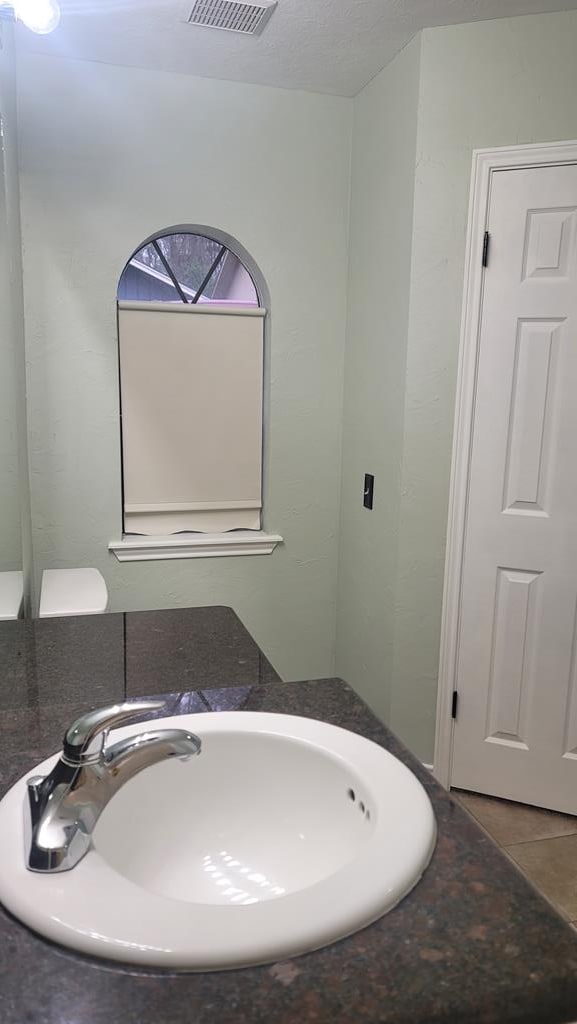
(485, 163)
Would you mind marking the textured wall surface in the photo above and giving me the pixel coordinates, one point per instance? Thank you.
(492, 84)
(385, 132)
(10, 544)
(110, 155)
(415, 127)
(15, 536)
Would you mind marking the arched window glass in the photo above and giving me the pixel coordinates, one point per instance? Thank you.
(189, 268)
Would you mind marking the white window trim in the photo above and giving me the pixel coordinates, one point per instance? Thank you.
(193, 309)
(132, 548)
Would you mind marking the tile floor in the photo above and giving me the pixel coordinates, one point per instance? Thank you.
(542, 843)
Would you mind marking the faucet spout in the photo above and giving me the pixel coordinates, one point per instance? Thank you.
(125, 759)
(64, 806)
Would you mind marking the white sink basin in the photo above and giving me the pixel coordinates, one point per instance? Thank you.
(284, 835)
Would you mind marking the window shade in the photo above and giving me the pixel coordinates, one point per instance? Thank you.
(191, 385)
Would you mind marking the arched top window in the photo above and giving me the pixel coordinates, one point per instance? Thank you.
(187, 267)
(191, 348)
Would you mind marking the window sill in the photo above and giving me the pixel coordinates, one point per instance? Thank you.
(132, 548)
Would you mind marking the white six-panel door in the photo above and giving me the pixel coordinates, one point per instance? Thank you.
(516, 729)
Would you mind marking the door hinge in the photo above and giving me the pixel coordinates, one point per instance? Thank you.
(485, 258)
(454, 704)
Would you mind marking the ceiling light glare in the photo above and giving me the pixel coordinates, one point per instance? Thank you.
(40, 16)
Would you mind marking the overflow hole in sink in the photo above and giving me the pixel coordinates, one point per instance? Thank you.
(362, 807)
(351, 795)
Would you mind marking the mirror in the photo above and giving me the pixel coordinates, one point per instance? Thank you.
(153, 188)
(106, 170)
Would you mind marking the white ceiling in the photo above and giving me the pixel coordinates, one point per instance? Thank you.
(330, 46)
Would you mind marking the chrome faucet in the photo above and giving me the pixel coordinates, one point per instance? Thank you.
(64, 806)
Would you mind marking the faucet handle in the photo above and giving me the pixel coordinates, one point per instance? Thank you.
(85, 739)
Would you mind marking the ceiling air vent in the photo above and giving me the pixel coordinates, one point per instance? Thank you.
(232, 15)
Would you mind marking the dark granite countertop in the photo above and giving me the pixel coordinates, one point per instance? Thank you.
(473, 942)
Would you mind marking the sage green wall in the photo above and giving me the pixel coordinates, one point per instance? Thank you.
(15, 538)
(492, 83)
(105, 161)
(10, 544)
(384, 146)
(109, 155)
(415, 127)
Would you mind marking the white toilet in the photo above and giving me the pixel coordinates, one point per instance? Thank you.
(11, 594)
(72, 592)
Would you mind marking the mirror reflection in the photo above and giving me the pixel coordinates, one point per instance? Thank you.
(242, 304)
(288, 365)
